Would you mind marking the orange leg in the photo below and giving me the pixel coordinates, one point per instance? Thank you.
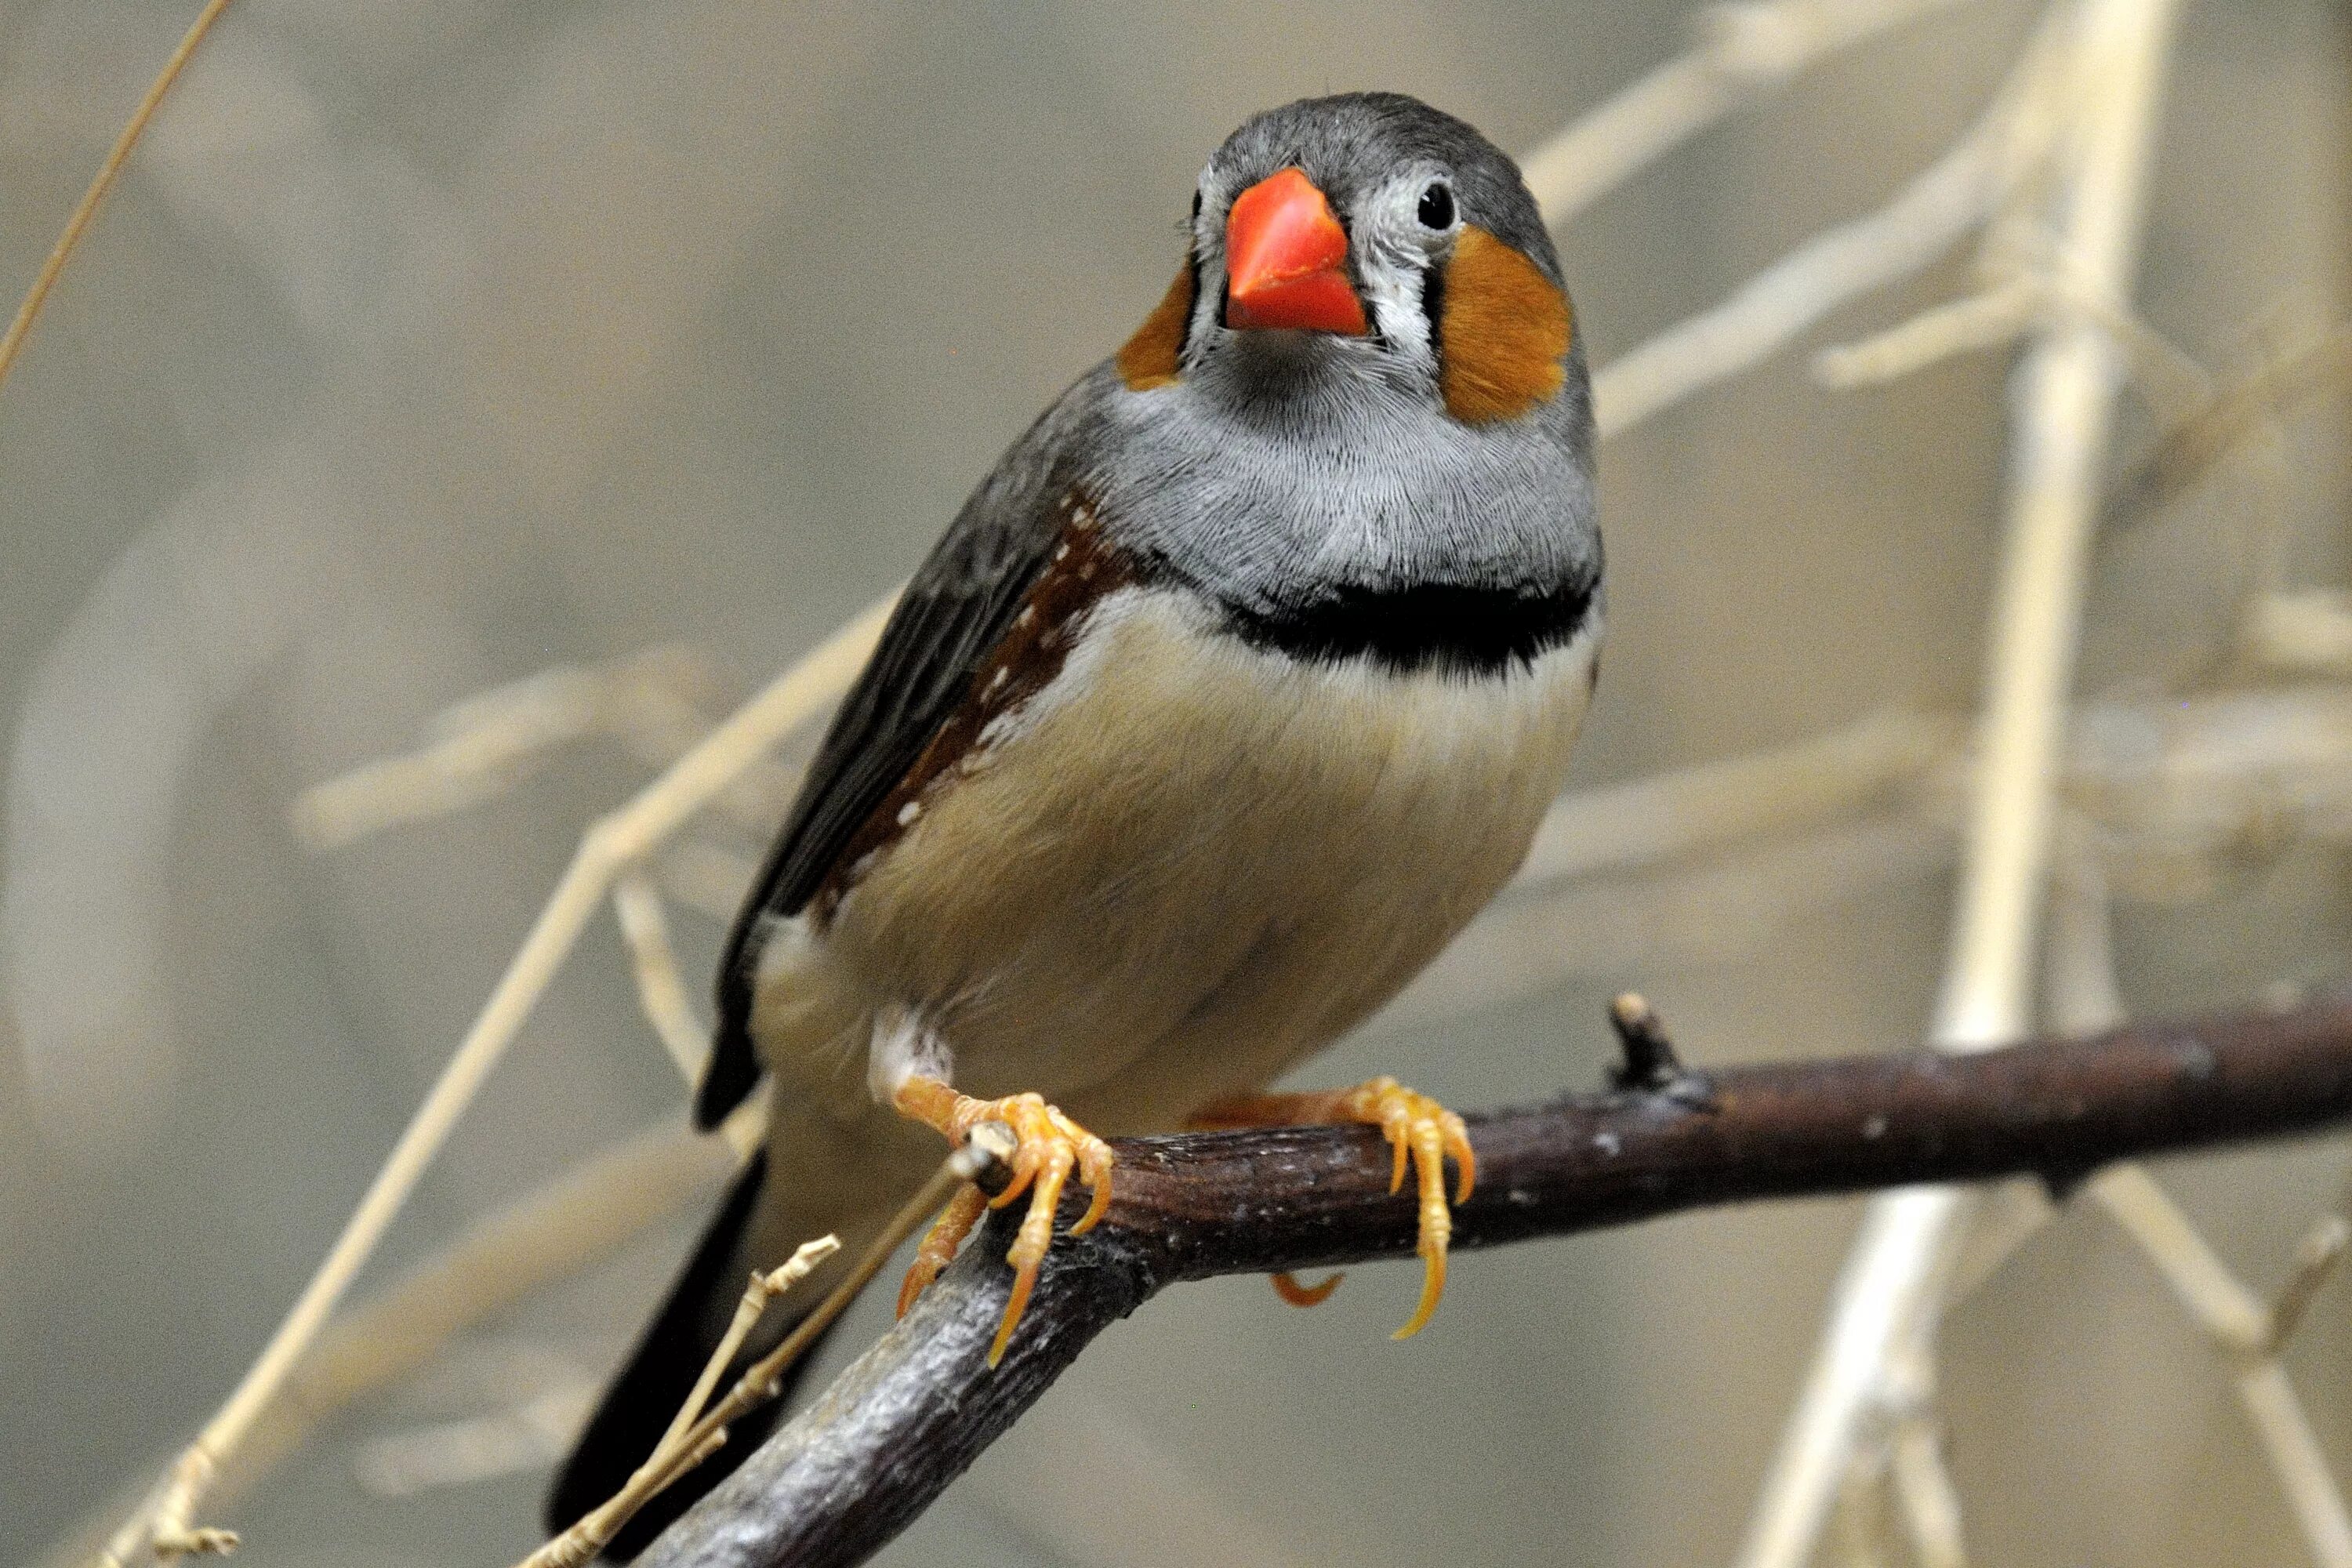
(1050, 1148)
(1416, 1127)
(939, 1242)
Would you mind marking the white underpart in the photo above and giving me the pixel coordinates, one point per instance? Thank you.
(904, 1047)
(1182, 866)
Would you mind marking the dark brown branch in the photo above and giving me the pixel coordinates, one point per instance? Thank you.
(853, 1469)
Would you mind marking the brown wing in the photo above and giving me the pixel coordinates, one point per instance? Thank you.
(914, 709)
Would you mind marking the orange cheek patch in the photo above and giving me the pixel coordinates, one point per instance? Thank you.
(1149, 358)
(1502, 334)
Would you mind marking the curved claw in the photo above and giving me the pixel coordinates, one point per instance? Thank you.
(939, 1242)
(1093, 1170)
(1424, 1132)
(1049, 1149)
(1287, 1286)
(1432, 1288)
(1457, 1144)
(1421, 1133)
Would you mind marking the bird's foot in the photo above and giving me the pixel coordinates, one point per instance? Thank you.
(1417, 1128)
(1049, 1147)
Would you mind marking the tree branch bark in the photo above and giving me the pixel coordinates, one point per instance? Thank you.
(909, 1415)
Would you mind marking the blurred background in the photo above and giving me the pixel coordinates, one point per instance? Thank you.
(426, 346)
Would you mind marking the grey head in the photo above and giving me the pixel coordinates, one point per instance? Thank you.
(1393, 460)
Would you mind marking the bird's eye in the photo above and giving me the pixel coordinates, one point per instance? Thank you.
(1437, 206)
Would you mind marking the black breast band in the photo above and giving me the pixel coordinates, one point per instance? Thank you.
(1472, 630)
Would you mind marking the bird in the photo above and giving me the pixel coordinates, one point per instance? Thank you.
(1230, 696)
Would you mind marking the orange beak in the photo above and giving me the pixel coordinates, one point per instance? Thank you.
(1287, 261)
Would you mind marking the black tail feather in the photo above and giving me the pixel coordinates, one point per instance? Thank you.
(637, 1406)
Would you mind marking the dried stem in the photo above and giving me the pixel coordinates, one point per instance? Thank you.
(689, 1441)
(2248, 1335)
(1981, 320)
(485, 744)
(760, 1382)
(1887, 1291)
(693, 1433)
(1838, 265)
(1672, 815)
(2316, 1259)
(13, 342)
(2293, 1451)
(609, 849)
(1742, 53)
(661, 990)
(2185, 452)
(2229, 1314)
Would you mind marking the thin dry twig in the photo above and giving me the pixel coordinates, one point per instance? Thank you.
(2307, 631)
(653, 702)
(1981, 174)
(2248, 1334)
(1985, 320)
(2173, 383)
(2316, 1258)
(1672, 815)
(1925, 1498)
(1742, 53)
(13, 342)
(680, 1449)
(1840, 264)
(1886, 1296)
(479, 748)
(609, 849)
(2185, 452)
(974, 1161)
(2232, 1315)
(661, 990)
(694, 1433)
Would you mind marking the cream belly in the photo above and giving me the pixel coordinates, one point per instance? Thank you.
(1182, 866)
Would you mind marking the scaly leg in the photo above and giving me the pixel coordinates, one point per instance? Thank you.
(1050, 1147)
(1415, 1125)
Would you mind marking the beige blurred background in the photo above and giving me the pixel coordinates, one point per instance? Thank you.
(426, 345)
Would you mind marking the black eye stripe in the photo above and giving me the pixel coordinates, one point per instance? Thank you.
(1193, 266)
